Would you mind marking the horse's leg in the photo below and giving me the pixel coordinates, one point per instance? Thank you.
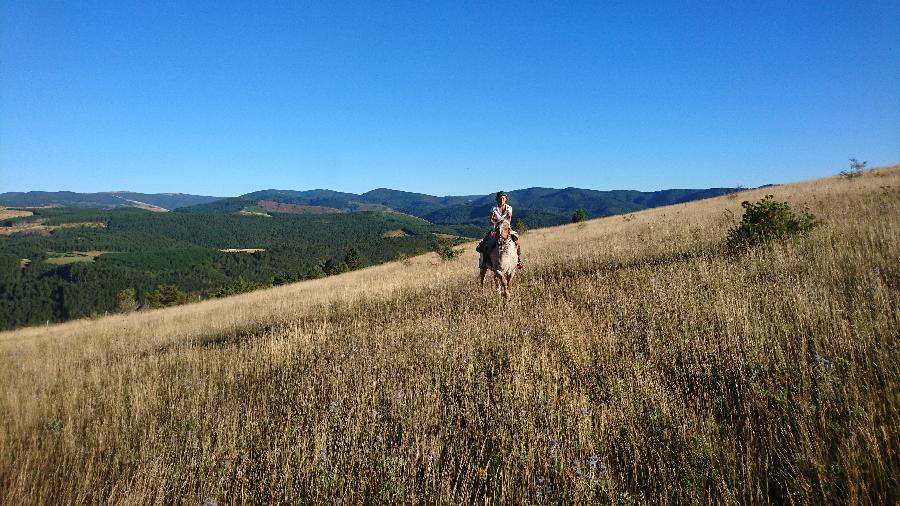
(483, 274)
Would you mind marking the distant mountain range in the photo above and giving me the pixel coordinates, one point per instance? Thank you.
(536, 206)
(104, 200)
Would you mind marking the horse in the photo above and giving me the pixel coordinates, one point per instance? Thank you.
(502, 259)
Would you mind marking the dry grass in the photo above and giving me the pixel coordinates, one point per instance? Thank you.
(6, 214)
(38, 227)
(690, 376)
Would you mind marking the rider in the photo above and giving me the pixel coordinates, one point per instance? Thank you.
(502, 211)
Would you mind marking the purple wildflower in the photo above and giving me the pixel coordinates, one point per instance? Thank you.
(822, 360)
(576, 466)
(554, 444)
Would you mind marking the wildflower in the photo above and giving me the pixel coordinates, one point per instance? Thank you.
(543, 484)
(822, 360)
(339, 500)
(585, 412)
(554, 444)
(576, 466)
(209, 501)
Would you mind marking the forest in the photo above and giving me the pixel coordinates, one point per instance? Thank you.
(86, 262)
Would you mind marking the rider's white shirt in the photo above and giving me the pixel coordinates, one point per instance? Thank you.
(498, 216)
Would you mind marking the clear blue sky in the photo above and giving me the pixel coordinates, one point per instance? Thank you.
(223, 98)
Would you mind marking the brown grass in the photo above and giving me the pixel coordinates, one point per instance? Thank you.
(6, 214)
(691, 375)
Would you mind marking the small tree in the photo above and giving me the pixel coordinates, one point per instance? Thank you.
(579, 216)
(768, 220)
(444, 248)
(334, 267)
(164, 296)
(856, 169)
(520, 226)
(127, 300)
(239, 286)
(317, 271)
(354, 259)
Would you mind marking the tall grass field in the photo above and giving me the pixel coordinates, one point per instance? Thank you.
(638, 361)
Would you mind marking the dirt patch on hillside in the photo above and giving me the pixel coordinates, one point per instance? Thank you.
(145, 206)
(242, 250)
(395, 234)
(38, 227)
(13, 213)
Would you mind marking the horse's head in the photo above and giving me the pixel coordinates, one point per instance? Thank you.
(503, 231)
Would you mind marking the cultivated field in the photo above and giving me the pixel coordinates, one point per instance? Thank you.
(637, 362)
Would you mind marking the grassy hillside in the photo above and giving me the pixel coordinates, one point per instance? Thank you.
(636, 362)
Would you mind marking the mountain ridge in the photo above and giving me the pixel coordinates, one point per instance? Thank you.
(537, 206)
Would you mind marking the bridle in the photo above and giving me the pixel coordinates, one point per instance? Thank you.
(503, 242)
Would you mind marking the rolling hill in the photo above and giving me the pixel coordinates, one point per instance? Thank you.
(103, 200)
(638, 361)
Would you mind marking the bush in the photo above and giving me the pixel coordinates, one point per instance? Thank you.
(521, 227)
(127, 300)
(354, 259)
(444, 248)
(856, 169)
(579, 216)
(316, 272)
(164, 296)
(333, 267)
(768, 220)
(239, 286)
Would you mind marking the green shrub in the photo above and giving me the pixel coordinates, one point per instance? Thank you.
(521, 227)
(239, 286)
(768, 220)
(444, 248)
(354, 259)
(316, 271)
(579, 216)
(165, 295)
(127, 300)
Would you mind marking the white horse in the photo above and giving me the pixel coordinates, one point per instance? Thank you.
(502, 259)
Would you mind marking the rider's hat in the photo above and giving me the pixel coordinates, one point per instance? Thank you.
(501, 194)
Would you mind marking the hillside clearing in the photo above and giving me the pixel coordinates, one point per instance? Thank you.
(73, 257)
(6, 214)
(242, 250)
(396, 233)
(636, 362)
(39, 227)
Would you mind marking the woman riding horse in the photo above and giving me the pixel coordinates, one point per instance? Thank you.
(502, 211)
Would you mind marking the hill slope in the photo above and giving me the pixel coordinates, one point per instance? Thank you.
(103, 200)
(636, 362)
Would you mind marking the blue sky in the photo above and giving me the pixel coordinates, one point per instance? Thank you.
(224, 98)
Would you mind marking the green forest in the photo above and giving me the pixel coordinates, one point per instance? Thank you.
(91, 261)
